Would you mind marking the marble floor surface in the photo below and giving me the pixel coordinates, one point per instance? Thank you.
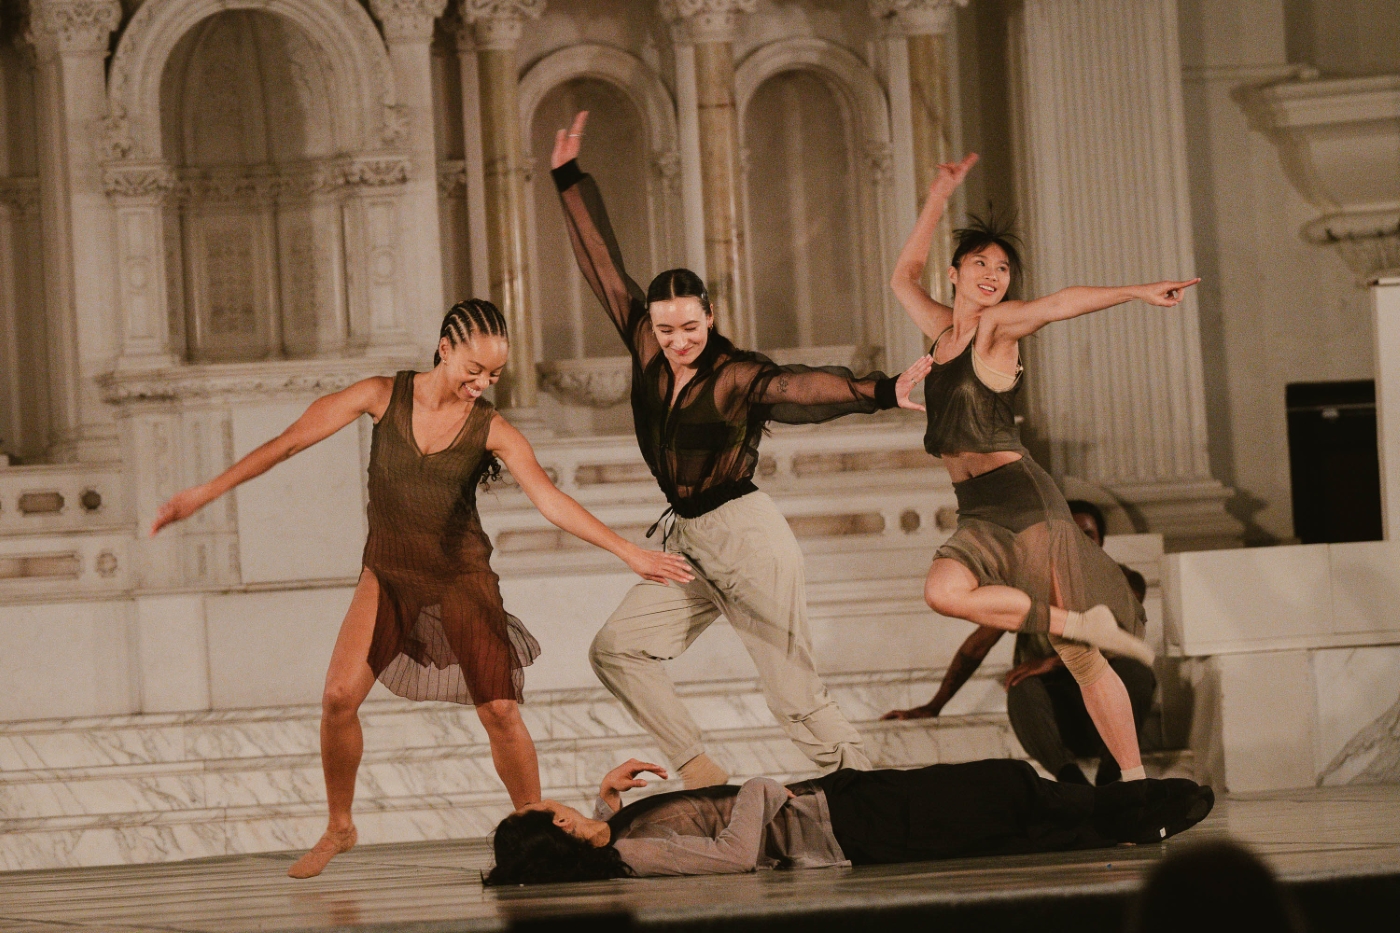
(1348, 832)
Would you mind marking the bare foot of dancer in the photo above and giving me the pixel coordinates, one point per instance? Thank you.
(332, 844)
(1097, 627)
(918, 712)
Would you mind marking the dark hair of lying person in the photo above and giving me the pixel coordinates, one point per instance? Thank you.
(530, 849)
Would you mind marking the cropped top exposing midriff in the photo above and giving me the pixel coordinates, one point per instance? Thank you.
(965, 415)
(703, 448)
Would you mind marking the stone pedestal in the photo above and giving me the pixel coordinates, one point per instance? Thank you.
(138, 194)
(408, 32)
(1117, 396)
(497, 25)
(706, 29)
(71, 37)
(1385, 303)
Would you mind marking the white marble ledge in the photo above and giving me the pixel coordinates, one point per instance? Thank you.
(1282, 598)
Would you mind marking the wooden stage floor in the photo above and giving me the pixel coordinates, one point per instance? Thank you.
(1313, 838)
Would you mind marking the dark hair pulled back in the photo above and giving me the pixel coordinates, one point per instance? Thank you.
(463, 322)
(993, 231)
(466, 319)
(682, 283)
(530, 849)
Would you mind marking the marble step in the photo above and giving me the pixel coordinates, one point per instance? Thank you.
(556, 715)
(150, 788)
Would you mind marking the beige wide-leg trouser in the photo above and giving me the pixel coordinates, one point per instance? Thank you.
(748, 569)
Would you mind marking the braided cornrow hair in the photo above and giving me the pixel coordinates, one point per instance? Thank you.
(468, 318)
(464, 321)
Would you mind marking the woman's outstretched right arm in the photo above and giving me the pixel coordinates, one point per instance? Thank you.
(931, 317)
(595, 245)
(321, 419)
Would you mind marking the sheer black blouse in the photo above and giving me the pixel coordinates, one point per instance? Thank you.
(703, 449)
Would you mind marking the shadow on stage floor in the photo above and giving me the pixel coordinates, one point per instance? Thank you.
(1337, 849)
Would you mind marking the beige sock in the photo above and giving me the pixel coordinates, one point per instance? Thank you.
(1097, 627)
(1135, 774)
(701, 771)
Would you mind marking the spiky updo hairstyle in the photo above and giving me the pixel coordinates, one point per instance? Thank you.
(530, 849)
(464, 322)
(993, 231)
(682, 283)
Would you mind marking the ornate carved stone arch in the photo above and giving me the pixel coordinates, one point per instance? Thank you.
(628, 73)
(367, 119)
(850, 77)
(866, 108)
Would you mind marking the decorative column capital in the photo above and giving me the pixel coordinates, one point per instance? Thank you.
(59, 26)
(407, 20)
(917, 17)
(705, 20)
(497, 24)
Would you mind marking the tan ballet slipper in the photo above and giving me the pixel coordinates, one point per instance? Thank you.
(331, 844)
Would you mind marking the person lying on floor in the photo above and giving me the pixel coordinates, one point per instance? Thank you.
(848, 817)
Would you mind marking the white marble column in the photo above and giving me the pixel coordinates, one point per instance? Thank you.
(1118, 395)
(924, 110)
(1385, 305)
(703, 32)
(408, 32)
(497, 26)
(71, 38)
(473, 167)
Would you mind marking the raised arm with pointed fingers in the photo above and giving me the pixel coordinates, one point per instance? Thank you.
(931, 317)
(1013, 320)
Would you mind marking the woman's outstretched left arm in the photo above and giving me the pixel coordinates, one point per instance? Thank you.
(563, 511)
(807, 395)
(1013, 320)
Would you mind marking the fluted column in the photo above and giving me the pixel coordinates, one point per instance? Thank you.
(71, 39)
(497, 25)
(408, 32)
(704, 32)
(1119, 395)
(926, 67)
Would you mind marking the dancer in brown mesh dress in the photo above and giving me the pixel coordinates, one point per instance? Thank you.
(426, 618)
(1017, 561)
(700, 405)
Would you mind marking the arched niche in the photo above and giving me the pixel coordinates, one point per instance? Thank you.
(344, 40)
(253, 159)
(840, 201)
(632, 151)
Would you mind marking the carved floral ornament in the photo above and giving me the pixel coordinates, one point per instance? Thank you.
(497, 24)
(706, 20)
(295, 378)
(72, 25)
(142, 180)
(600, 382)
(917, 17)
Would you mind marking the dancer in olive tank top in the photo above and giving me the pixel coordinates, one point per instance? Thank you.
(1017, 561)
(426, 618)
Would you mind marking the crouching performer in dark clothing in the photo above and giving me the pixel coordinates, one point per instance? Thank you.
(992, 807)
